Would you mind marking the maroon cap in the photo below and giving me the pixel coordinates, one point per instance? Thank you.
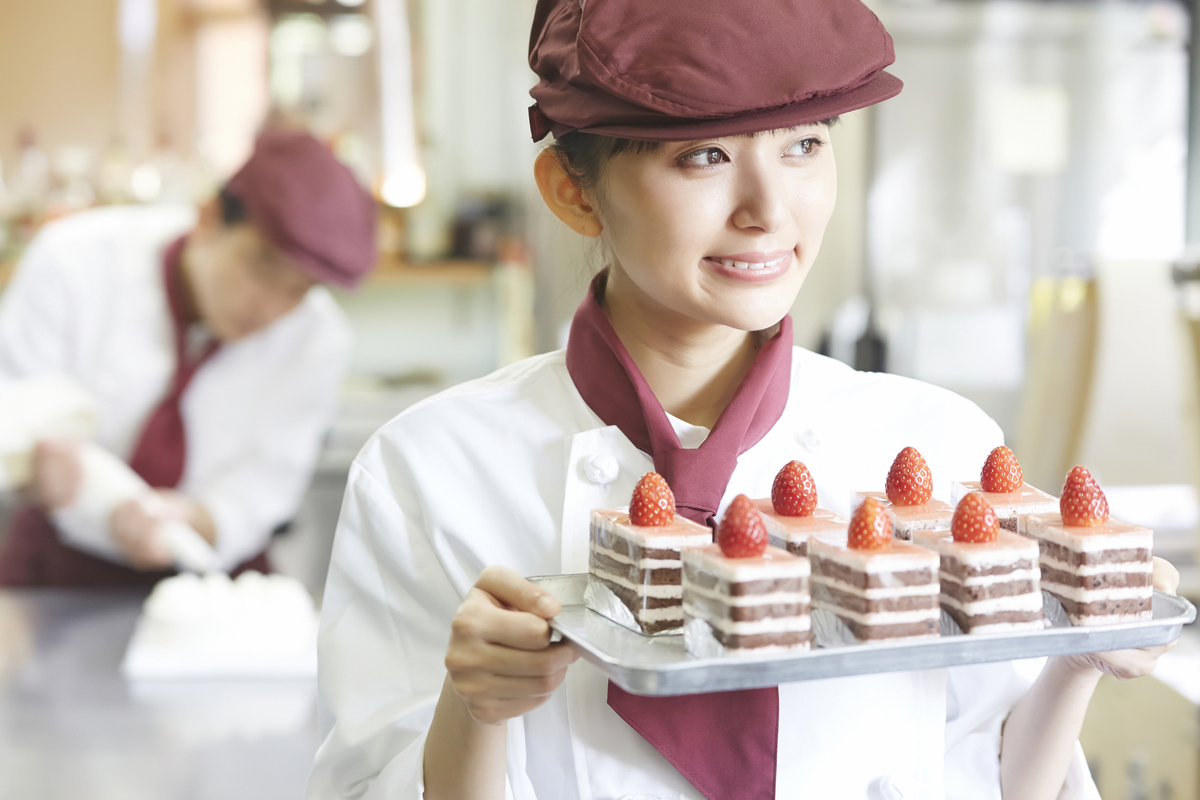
(309, 205)
(685, 69)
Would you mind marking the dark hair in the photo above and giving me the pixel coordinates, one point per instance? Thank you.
(233, 210)
(584, 155)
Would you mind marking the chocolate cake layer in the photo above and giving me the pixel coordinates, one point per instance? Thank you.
(1009, 524)
(795, 548)
(654, 576)
(1104, 580)
(748, 613)
(1077, 559)
(965, 571)
(869, 580)
(636, 601)
(629, 548)
(706, 580)
(746, 641)
(862, 605)
(999, 618)
(658, 626)
(866, 633)
(973, 594)
(1105, 608)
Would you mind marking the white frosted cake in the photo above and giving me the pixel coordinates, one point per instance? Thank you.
(793, 533)
(929, 515)
(635, 570)
(988, 587)
(1009, 506)
(888, 592)
(757, 604)
(1102, 574)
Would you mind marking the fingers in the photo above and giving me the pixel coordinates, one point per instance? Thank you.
(1166, 577)
(134, 531)
(480, 618)
(507, 586)
(57, 473)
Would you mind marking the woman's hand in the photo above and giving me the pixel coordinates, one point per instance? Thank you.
(500, 659)
(134, 526)
(56, 474)
(1125, 664)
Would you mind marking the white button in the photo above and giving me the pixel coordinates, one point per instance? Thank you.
(809, 441)
(601, 469)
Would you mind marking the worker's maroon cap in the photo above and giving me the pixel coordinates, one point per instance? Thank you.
(309, 205)
(672, 70)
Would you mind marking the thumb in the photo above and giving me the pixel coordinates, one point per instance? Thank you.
(512, 590)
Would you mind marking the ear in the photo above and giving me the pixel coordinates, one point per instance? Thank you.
(564, 197)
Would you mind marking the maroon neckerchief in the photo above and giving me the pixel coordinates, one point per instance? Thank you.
(161, 451)
(724, 743)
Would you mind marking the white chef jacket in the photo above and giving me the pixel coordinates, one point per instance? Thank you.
(504, 470)
(87, 301)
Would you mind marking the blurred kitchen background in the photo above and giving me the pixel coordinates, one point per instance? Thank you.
(1021, 225)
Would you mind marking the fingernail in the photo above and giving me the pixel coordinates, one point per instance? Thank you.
(547, 606)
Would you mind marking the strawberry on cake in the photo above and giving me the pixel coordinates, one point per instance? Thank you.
(634, 560)
(909, 496)
(989, 576)
(742, 596)
(1101, 570)
(880, 587)
(1003, 485)
(791, 514)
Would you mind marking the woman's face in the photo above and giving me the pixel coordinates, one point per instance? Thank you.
(720, 231)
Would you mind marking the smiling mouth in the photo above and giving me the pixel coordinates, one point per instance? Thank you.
(750, 265)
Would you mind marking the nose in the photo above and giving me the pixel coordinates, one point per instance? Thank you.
(761, 202)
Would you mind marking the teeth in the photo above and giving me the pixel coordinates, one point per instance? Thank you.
(725, 262)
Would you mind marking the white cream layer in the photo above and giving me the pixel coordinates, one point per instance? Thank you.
(664, 592)
(681, 533)
(1111, 535)
(991, 580)
(658, 614)
(1007, 627)
(1117, 567)
(745, 600)
(897, 557)
(773, 564)
(881, 617)
(1081, 595)
(877, 592)
(700, 642)
(641, 563)
(1029, 601)
(750, 627)
(1009, 548)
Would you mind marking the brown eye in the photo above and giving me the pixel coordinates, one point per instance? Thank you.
(706, 157)
(804, 147)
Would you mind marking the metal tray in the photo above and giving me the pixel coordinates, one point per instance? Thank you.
(659, 665)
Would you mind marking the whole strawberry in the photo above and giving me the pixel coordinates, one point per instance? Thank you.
(742, 533)
(974, 520)
(909, 482)
(1001, 472)
(870, 526)
(653, 503)
(794, 494)
(1082, 502)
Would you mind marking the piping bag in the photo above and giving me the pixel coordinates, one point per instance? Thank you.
(107, 483)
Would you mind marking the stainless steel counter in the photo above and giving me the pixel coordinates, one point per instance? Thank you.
(71, 727)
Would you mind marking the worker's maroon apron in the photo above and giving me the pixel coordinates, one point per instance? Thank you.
(724, 743)
(34, 555)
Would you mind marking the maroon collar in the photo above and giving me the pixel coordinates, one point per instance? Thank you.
(613, 387)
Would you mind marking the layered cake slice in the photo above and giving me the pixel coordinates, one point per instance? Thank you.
(742, 596)
(791, 514)
(880, 587)
(909, 496)
(634, 566)
(1003, 485)
(1101, 570)
(989, 576)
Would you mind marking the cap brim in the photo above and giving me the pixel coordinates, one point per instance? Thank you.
(674, 129)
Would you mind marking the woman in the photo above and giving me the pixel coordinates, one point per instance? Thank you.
(690, 141)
